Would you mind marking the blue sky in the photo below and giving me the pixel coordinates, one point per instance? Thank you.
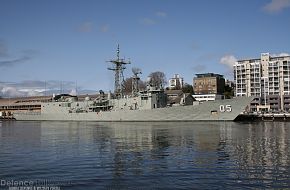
(53, 43)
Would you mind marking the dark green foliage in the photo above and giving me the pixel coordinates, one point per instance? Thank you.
(229, 92)
(187, 88)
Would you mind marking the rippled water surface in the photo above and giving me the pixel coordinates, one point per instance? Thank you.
(201, 155)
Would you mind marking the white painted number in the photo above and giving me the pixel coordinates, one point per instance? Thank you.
(225, 108)
(222, 108)
(228, 108)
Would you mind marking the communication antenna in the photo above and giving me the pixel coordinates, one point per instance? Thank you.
(118, 65)
(135, 80)
(61, 90)
(76, 88)
(44, 88)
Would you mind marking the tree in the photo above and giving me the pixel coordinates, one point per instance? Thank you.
(187, 88)
(229, 92)
(157, 79)
(128, 85)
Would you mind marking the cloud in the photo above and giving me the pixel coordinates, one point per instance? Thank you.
(228, 60)
(7, 60)
(32, 92)
(35, 93)
(8, 91)
(12, 62)
(40, 88)
(86, 27)
(276, 6)
(161, 14)
(147, 21)
(35, 88)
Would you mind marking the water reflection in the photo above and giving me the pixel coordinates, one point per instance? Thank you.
(162, 155)
(264, 154)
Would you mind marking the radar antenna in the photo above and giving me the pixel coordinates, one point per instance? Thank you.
(118, 67)
(135, 81)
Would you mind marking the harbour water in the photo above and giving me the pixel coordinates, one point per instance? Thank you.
(199, 155)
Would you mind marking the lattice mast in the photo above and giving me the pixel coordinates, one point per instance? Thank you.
(118, 67)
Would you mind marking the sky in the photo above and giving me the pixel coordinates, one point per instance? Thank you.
(65, 44)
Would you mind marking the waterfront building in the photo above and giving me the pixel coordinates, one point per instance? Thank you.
(267, 79)
(208, 83)
(208, 87)
(176, 82)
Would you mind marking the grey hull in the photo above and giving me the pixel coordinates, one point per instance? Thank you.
(208, 111)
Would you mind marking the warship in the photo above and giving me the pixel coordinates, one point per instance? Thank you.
(144, 106)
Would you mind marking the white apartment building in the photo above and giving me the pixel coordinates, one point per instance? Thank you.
(267, 79)
(176, 82)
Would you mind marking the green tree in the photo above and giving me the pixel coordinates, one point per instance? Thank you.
(187, 88)
(229, 92)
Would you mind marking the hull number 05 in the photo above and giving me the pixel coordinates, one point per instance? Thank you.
(225, 108)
